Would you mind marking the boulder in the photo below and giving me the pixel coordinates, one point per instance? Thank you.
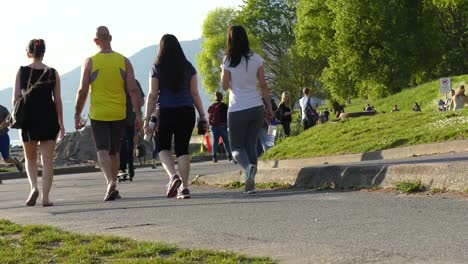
(76, 148)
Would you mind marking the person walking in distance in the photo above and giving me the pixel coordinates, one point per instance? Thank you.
(174, 87)
(43, 118)
(106, 75)
(307, 104)
(285, 113)
(241, 70)
(217, 118)
(127, 145)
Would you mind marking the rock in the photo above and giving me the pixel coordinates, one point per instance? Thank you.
(76, 148)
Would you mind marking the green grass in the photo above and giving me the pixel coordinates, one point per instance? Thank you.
(234, 185)
(8, 169)
(427, 95)
(437, 190)
(43, 244)
(372, 133)
(382, 131)
(409, 186)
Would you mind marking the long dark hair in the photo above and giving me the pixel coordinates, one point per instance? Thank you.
(237, 46)
(172, 63)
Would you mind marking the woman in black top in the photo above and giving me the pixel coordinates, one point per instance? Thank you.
(43, 118)
(285, 113)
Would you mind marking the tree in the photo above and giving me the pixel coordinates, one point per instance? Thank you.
(214, 33)
(373, 48)
(214, 38)
(314, 41)
(272, 22)
(452, 24)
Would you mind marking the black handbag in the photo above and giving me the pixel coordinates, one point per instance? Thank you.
(18, 114)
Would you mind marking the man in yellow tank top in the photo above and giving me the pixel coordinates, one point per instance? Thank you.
(107, 74)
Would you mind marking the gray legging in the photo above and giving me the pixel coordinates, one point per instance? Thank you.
(244, 127)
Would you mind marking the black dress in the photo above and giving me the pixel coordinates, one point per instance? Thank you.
(285, 120)
(41, 119)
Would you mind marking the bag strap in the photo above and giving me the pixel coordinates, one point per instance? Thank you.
(308, 102)
(36, 83)
(5, 123)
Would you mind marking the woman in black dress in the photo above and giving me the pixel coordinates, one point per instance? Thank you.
(43, 118)
(285, 113)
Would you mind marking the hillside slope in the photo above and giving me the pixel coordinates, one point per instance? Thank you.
(427, 95)
(382, 131)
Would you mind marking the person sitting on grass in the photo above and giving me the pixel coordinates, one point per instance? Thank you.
(460, 99)
(368, 108)
(416, 107)
(395, 109)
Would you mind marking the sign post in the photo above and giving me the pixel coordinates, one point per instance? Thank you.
(445, 85)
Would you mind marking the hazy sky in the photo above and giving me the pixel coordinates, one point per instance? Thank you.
(68, 28)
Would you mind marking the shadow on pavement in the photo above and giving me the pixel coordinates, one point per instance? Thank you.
(123, 204)
(348, 177)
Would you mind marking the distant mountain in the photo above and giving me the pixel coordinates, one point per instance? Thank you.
(142, 62)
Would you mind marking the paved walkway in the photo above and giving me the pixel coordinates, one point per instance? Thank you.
(300, 226)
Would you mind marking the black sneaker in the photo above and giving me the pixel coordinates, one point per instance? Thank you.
(183, 193)
(171, 187)
(233, 160)
(215, 160)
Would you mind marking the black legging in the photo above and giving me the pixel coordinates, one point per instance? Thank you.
(127, 148)
(287, 128)
(179, 122)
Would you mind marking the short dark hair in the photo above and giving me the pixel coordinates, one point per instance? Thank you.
(36, 47)
(219, 96)
(306, 90)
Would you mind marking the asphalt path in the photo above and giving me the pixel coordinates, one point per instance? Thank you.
(290, 226)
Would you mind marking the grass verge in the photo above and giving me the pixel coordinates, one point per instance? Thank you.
(8, 169)
(372, 133)
(258, 186)
(437, 190)
(409, 187)
(43, 244)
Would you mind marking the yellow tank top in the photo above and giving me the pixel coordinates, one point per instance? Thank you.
(108, 100)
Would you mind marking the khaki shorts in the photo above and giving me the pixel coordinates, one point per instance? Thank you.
(108, 135)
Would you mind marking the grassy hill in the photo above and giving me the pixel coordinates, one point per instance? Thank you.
(382, 131)
(427, 95)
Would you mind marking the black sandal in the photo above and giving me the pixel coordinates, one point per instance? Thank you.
(112, 196)
(32, 198)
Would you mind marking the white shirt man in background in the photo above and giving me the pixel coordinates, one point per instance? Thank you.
(306, 99)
